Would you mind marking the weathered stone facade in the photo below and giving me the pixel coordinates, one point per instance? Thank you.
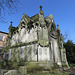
(36, 39)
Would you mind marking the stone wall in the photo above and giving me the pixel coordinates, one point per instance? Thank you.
(23, 53)
(24, 36)
(43, 36)
(43, 54)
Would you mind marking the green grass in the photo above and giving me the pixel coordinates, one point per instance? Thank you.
(48, 74)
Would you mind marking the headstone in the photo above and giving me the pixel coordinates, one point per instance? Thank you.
(23, 70)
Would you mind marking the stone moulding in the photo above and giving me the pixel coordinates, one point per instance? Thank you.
(22, 44)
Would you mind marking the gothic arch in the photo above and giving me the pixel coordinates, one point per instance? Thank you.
(53, 27)
(23, 24)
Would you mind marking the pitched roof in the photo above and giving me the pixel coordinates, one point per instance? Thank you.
(3, 32)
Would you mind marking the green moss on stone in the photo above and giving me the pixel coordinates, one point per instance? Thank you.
(22, 44)
(35, 17)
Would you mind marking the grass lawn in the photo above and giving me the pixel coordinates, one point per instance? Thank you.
(48, 74)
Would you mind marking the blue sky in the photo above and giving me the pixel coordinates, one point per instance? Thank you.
(63, 12)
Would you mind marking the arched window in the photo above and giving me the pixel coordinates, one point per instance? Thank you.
(36, 24)
(23, 24)
(53, 30)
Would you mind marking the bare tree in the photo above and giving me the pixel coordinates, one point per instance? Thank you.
(7, 7)
(65, 36)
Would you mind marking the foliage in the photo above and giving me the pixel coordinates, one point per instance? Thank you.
(65, 36)
(72, 64)
(7, 6)
(0, 62)
(70, 51)
(3, 64)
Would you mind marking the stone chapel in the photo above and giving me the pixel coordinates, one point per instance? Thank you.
(36, 39)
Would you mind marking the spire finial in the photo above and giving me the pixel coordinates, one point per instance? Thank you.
(11, 22)
(40, 7)
(57, 25)
(10, 25)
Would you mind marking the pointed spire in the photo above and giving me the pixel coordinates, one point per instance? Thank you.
(41, 12)
(11, 22)
(58, 30)
(40, 7)
(10, 25)
(58, 27)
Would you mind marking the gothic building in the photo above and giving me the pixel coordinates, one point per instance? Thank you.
(36, 39)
